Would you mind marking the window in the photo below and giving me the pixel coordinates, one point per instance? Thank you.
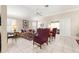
(34, 25)
(11, 25)
(54, 25)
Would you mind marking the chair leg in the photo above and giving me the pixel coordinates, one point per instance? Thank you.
(54, 37)
(40, 47)
(33, 43)
(50, 39)
(47, 42)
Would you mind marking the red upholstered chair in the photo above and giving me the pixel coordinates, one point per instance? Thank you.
(41, 37)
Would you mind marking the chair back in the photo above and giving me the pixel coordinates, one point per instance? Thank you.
(54, 31)
(42, 35)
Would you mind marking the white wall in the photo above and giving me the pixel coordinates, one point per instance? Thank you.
(3, 28)
(65, 27)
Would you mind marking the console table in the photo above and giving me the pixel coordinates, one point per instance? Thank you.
(13, 36)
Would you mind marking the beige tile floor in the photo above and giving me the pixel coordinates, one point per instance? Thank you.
(59, 45)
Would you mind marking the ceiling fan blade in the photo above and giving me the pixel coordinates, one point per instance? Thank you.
(38, 13)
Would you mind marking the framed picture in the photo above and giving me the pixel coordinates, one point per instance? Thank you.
(25, 23)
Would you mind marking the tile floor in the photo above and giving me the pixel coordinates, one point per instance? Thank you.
(59, 45)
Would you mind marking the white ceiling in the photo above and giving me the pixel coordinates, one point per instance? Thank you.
(26, 11)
